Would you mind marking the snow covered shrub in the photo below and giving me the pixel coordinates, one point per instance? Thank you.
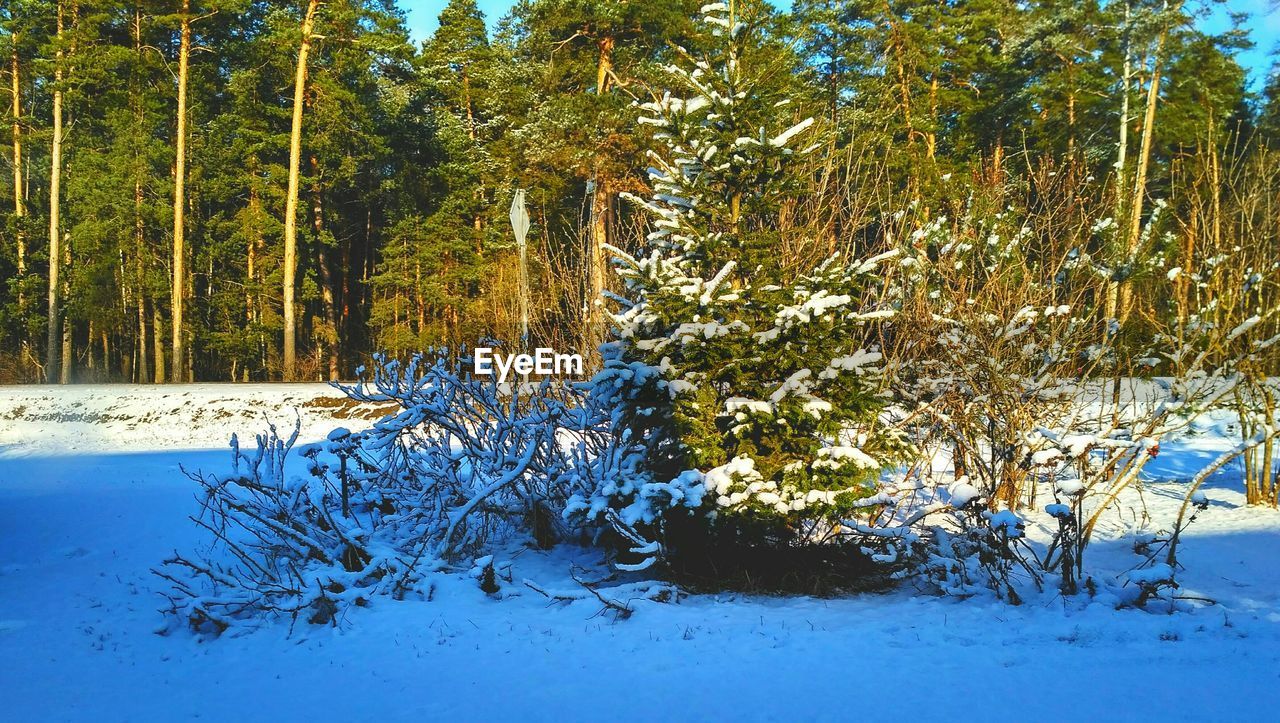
(990, 344)
(462, 459)
(625, 475)
(281, 546)
(1255, 405)
(1204, 347)
(990, 550)
(1155, 578)
(488, 454)
(739, 390)
(998, 350)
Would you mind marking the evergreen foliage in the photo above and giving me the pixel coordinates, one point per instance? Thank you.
(409, 157)
(729, 373)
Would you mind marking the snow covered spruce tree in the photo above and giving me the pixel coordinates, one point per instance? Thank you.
(744, 395)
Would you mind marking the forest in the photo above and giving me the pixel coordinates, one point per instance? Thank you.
(256, 190)
(894, 347)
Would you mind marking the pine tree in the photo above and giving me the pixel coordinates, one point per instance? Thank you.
(289, 362)
(746, 390)
(591, 60)
(1060, 50)
(20, 318)
(109, 186)
(362, 60)
(437, 268)
(242, 153)
(1269, 113)
(56, 295)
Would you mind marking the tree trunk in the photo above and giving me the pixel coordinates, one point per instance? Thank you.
(931, 138)
(1122, 152)
(143, 369)
(289, 363)
(595, 330)
(1140, 176)
(596, 265)
(55, 232)
(157, 338)
(997, 159)
(251, 261)
(178, 292)
(329, 300)
(419, 304)
(64, 374)
(468, 105)
(604, 65)
(68, 339)
(1071, 114)
(139, 245)
(19, 206)
(478, 194)
(328, 285)
(253, 298)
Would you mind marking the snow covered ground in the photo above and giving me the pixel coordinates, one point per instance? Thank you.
(91, 497)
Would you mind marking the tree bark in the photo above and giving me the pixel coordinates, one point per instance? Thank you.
(1140, 175)
(19, 206)
(64, 373)
(931, 138)
(178, 292)
(143, 369)
(328, 283)
(139, 230)
(478, 194)
(55, 232)
(289, 363)
(1071, 113)
(157, 338)
(1122, 152)
(251, 261)
(596, 264)
(604, 64)
(595, 330)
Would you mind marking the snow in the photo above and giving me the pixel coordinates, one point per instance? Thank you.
(721, 479)
(1244, 327)
(785, 137)
(813, 307)
(1058, 510)
(858, 362)
(1158, 572)
(91, 497)
(741, 406)
(835, 457)
(962, 493)
(1045, 457)
(1007, 520)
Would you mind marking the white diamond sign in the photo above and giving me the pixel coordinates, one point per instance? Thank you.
(519, 217)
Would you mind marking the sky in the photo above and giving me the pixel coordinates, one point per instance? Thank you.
(1263, 26)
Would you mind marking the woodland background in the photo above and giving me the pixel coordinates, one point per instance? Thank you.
(260, 190)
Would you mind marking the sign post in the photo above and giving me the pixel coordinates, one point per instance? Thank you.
(520, 224)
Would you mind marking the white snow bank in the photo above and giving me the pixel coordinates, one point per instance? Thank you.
(91, 499)
(108, 418)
